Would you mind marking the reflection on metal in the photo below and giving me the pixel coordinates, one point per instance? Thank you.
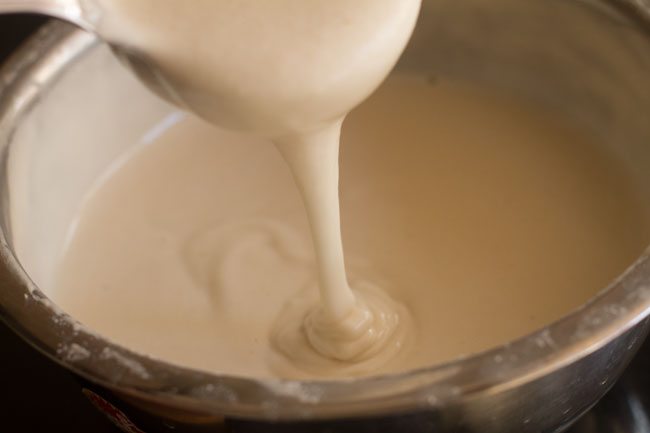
(626, 409)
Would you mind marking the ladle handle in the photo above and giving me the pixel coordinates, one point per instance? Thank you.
(69, 10)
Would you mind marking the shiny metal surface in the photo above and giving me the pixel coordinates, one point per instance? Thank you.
(86, 14)
(589, 60)
(69, 10)
(626, 408)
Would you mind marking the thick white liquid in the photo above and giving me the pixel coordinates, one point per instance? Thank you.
(191, 250)
(274, 68)
(290, 71)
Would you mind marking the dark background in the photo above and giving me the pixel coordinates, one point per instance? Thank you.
(37, 395)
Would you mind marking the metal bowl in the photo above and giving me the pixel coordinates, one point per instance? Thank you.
(587, 59)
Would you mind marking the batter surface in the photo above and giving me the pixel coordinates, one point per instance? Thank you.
(481, 217)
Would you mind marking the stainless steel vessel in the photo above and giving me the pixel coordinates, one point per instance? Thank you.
(587, 59)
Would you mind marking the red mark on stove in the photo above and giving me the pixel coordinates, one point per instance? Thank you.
(114, 414)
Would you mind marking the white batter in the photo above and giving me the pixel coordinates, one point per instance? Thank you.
(288, 70)
(481, 216)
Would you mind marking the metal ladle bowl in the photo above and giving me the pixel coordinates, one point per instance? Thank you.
(87, 14)
(587, 59)
(78, 12)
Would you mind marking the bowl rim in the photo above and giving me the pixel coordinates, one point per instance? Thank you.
(23, 307)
